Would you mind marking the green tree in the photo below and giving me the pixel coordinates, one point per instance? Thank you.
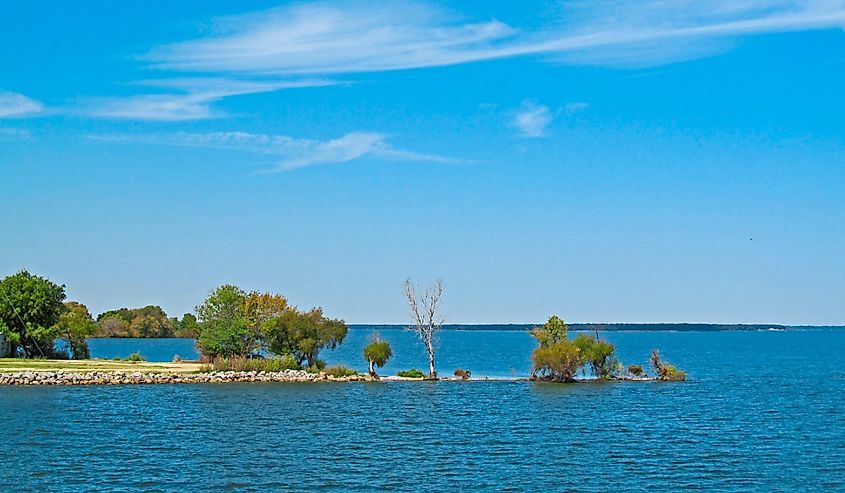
(600, 355)
(552, 332)
(223, 329)
(188, 326)
(30, 307)
(377, 353)
(258, 309)
(303, 334)
(557, 358)
(76, 325)
(112, 326)
(149, 321)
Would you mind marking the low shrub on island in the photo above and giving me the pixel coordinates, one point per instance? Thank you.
(412, 373)
(560, 359)
(463, 374)
(339, 371)
(665, 371)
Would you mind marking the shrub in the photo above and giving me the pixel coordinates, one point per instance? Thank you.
(135, 357)
(412, 373)
(237, 363)
(463, 374)
(665, 371)
(340, 371)
(316, 367)
(598, 354)
(377, 353)
(636, 370)
(558, 361)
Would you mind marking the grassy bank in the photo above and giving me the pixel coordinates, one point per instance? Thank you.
(10, 365)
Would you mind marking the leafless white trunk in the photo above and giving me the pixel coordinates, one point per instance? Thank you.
(424, 308)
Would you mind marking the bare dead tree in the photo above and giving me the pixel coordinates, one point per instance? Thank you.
(424, 309)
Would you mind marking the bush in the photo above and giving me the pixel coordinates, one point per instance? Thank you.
(317, 366)
(275, 364)
(665, 371)
(636, 370)
(135, 357)
(463, 374)
(600, 355)
(412, 373)
(673, 374)
(558, 362)
(340, 371)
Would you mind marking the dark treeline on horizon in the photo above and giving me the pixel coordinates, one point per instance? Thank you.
(617, 327)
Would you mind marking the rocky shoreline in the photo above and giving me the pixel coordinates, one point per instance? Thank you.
(61, 377)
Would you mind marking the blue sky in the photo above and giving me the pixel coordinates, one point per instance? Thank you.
(625, 161)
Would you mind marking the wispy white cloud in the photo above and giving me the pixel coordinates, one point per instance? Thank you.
(290, 152)
(335, 38)
(14, 105)
(532, 119)
(194, 100)
(353, 37)
(10, 133)
(575, 107)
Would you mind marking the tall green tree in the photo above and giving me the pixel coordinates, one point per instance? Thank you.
(223, 328)
(557, 357)
(303, 334)
(30, 307)
(377, 353)
(188, 326)
(76, 325)
(600, 355)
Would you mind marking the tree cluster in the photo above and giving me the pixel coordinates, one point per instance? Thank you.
(33, 315)
(149, 321)
(559, 358)
(234, 323)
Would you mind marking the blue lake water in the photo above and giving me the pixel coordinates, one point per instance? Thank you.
(762, 411)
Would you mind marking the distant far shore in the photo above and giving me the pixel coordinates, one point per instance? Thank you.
(581, 327)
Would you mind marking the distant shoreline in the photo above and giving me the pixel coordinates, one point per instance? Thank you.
(619, 327)
(582, 327)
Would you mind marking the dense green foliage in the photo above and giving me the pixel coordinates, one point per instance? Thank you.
(412, 373)
(636, 371)
(552, 332)
(236, 323)
(599, 355)
(664, 370)
(149, 321)
(463, 374)
(223, 327)
(76, 325)
(30, 308)
(377, 353)
(559, 358)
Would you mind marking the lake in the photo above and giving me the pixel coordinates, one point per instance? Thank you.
(762, 411)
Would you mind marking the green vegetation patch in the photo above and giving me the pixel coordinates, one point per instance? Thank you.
(412, 373)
